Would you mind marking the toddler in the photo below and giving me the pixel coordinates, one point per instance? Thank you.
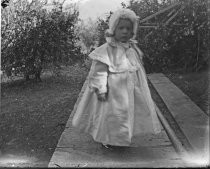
(117, 103)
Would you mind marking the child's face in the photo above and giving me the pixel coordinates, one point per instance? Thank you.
(124, 30)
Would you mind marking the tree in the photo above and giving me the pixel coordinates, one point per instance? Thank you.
(87, 35)
(180, 44)
(33, 38)
(102, 27)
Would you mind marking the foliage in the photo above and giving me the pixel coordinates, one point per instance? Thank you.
(101, 28)
(34, 38)
(180, 45)
(170, 47)
(87, 35)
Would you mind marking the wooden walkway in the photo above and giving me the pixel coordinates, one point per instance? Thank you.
(79, 150)
(193, 122)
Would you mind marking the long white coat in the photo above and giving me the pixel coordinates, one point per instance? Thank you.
(129, 109)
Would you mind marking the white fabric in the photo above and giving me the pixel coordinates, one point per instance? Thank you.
(98, 77)
(129, 109)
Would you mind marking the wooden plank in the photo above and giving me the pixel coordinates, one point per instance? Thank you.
(159, 12)
(147, 26)
(174, 15)
(131, 157)
(79, 149)
(193, 122)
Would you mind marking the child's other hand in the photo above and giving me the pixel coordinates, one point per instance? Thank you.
(102, 97)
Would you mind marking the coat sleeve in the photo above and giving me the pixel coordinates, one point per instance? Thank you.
(98, 76)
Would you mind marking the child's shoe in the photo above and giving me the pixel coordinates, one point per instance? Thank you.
(106, 146)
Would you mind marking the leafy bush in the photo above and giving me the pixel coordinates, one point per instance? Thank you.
(86, 32)
(178, 46)
(174, 47)
(101, 28)
(34, 38)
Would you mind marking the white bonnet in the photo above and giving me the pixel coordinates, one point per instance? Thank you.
(122, 14)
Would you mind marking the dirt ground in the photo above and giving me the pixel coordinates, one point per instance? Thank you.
(33, 115)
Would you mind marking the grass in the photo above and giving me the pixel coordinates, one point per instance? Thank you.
(33, 115)
(195, 85)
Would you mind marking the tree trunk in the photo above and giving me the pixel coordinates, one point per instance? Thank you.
(27, 77)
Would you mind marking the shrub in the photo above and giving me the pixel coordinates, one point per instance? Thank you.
(34, 38)
(169, 47)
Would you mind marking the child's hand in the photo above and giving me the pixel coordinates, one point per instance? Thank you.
(102, 97)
